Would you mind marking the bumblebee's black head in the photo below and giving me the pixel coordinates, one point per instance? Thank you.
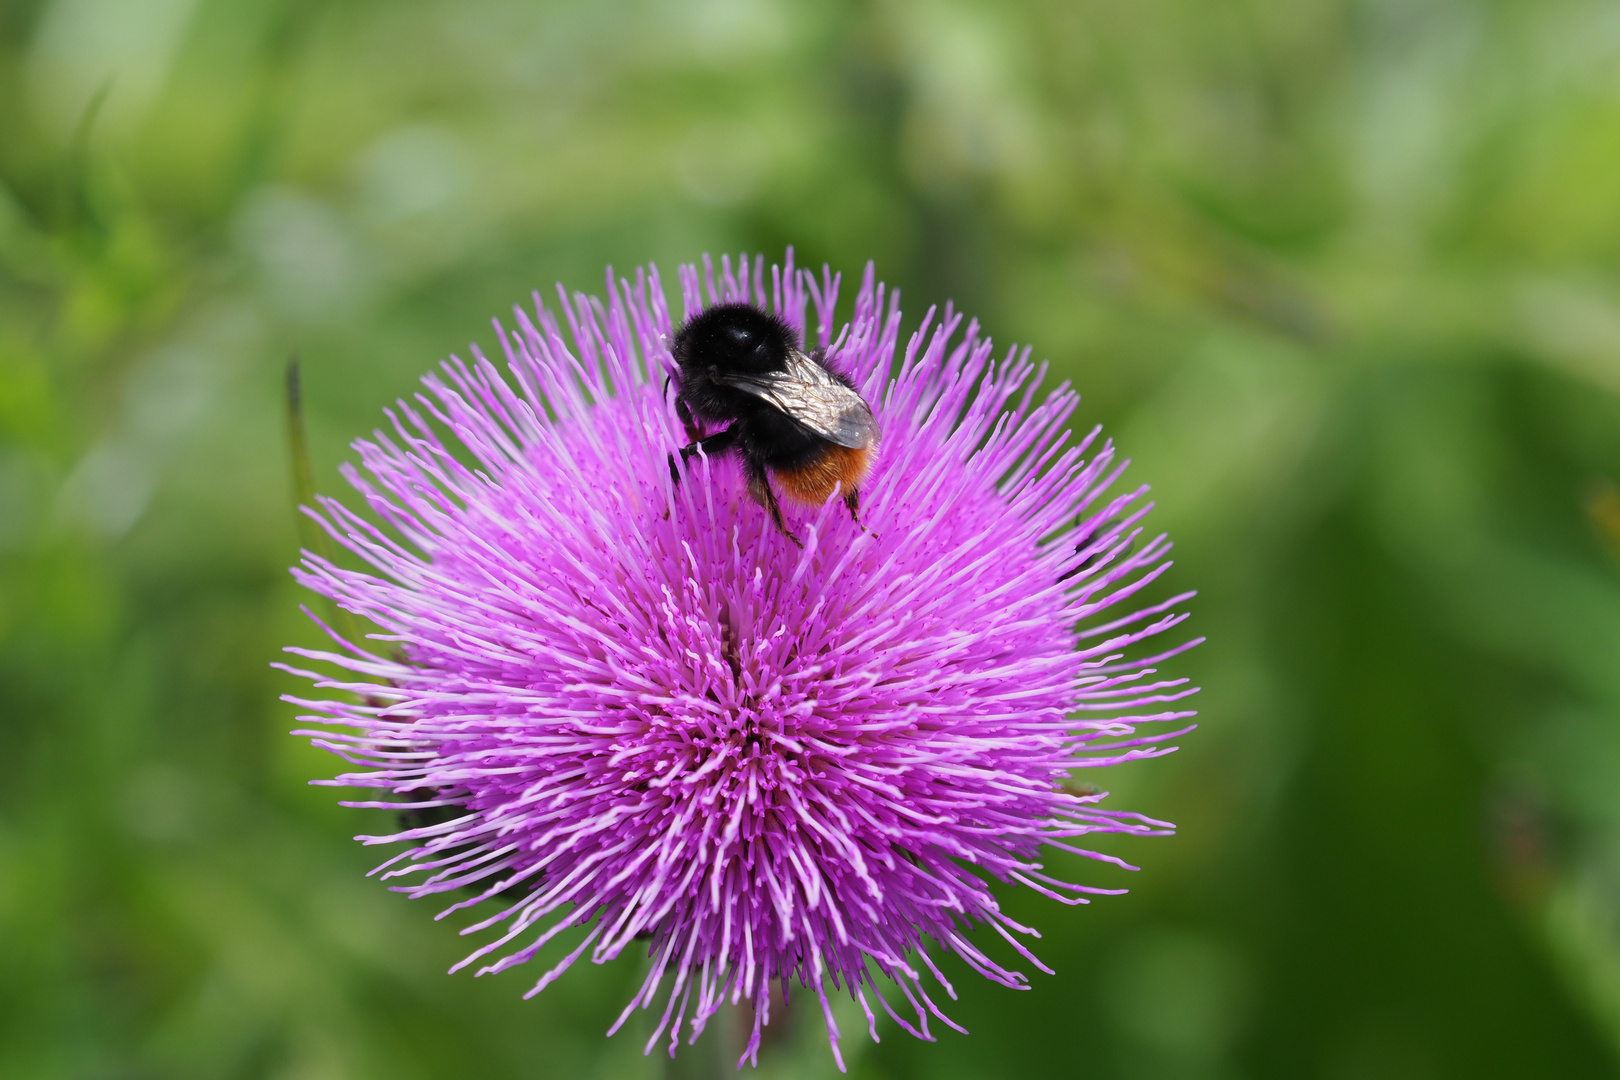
(734, 338)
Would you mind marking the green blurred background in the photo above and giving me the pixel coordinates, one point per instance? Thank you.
(1343, 276)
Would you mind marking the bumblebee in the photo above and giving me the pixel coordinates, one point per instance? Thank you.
(782, 410)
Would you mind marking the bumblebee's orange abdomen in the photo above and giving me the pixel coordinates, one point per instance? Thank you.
(812, 483)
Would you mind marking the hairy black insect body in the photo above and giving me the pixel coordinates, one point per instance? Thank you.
(782, 410)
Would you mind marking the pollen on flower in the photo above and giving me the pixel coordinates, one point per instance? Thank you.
(615, 702)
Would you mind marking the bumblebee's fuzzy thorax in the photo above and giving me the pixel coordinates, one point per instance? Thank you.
(728, 339)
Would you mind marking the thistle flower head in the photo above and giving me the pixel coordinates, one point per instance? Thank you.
(630, 705)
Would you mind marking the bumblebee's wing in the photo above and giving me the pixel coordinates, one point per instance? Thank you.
(810, 394)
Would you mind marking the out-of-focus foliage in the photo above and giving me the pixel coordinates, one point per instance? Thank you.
(1344, 277)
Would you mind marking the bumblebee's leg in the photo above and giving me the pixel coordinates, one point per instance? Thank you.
(759, 486)
(715, 444)
(684, 415)
(852, 502)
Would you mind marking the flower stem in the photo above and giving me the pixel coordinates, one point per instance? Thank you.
(312, 536)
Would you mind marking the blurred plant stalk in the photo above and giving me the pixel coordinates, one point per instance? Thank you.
(310, 533)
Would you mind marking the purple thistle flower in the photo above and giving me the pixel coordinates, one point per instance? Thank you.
(619, 703)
